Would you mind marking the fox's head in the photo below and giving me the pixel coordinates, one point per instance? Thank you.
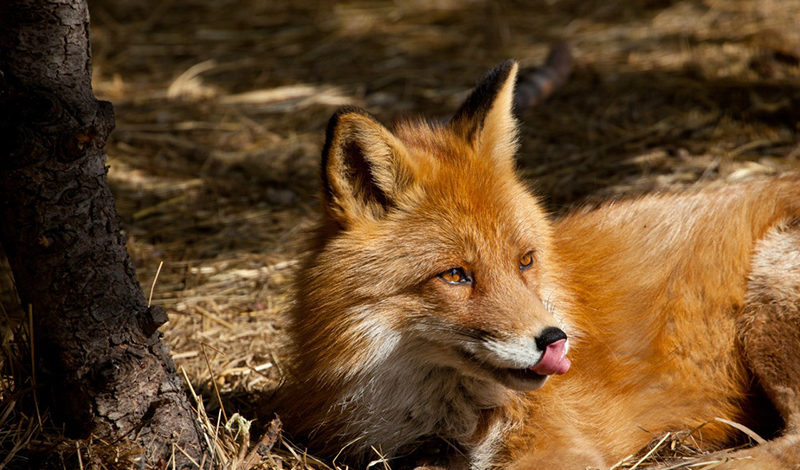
(432, 250)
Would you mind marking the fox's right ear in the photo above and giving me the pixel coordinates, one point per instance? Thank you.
(365, 168)
(486, 120)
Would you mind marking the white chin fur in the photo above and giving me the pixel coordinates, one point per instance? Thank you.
(516, 353)
(526, 385)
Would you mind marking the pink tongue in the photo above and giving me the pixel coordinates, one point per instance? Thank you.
(554, 360)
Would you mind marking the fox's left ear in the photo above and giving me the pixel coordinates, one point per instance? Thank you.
(365, 168)
(486, 118)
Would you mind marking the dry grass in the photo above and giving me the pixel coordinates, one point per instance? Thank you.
(220, 109)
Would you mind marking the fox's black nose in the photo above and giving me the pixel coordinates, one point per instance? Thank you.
(549, 336)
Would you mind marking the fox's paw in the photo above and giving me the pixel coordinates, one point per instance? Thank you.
(778, 454)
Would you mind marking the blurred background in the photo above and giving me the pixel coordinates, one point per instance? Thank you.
(221, 107)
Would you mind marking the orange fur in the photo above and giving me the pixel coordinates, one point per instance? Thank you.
(653, 293)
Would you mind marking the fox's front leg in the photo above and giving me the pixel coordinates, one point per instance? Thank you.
(769, 327)
(782, 453)
(769, 333)
(560, 448)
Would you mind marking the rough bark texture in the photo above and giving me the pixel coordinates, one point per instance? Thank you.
(100, 357)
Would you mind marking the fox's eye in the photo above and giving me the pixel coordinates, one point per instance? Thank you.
(526, 261)
(455, 276)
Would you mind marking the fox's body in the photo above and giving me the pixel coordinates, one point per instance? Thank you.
(658, 287)
(436, 294)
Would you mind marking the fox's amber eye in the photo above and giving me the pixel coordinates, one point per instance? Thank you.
(455, 276)
(526, 261)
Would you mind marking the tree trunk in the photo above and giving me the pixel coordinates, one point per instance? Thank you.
(99, 354)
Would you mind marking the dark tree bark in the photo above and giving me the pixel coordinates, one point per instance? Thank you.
(99, 353)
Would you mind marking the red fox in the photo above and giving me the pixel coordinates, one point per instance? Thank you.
(438, 300)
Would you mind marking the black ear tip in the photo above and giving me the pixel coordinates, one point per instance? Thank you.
(500, 73)
(342, 111)
(469, 117)
(333, 122)
(506, 66)
(349, 109)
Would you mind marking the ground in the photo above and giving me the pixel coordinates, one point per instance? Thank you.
(221, 108)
